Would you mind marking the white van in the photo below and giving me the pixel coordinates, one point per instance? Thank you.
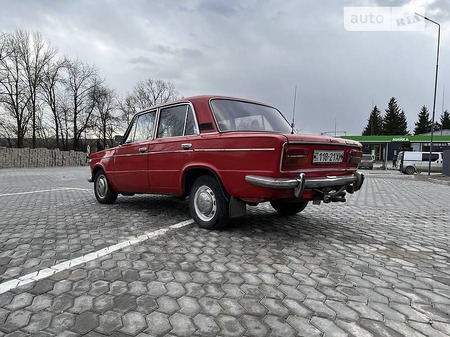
(410, 162)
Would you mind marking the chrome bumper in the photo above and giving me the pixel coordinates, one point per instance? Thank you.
(300, 183)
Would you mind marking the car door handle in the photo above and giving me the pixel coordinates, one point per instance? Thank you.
(186, 146)
(142, 149)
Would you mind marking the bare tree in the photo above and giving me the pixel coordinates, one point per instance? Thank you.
(64, 120)
(7, 129)
(35, 55)
(128, 109)
(52, 92)
(41, 126)
(14, 90)
(80, 82)
(4, 50)
(105, 119)
(145, 94)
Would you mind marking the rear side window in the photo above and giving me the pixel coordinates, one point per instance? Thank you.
(426, 156)
(176, 121)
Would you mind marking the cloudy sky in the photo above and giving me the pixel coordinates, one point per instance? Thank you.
(258, 49)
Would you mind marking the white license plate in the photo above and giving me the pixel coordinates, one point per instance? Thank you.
(328, 157)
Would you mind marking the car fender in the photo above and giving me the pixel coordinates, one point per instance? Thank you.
(199, 168)
(100, 166)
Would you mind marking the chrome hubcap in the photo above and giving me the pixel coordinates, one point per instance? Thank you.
(205, 203)
(102, 186)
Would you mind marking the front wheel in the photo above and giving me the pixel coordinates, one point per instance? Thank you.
(103, 190)
(208, 205)
(288, 206)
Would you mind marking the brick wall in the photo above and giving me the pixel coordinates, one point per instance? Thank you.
(12, 158)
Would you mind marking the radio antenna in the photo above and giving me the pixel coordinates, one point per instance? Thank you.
(293, 112)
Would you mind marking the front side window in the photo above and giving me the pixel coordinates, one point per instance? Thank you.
(234, 115)
(176, 121)
(142, 128)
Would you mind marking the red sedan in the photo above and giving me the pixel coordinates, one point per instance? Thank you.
(225, 153)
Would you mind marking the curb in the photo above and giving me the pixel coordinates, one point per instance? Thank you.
(441, 179)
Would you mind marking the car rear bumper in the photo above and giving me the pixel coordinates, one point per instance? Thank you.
(300, 183)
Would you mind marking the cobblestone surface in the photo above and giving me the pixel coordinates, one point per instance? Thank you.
(375, 265)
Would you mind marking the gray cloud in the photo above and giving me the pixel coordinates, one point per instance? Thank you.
(258, 49)
(224, 8)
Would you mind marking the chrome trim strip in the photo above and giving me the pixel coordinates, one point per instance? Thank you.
(272, 182)
(209, 133)
(169, 152)
(329, 181)
(234, 150)
(322, 170)
(190, 150)
(127, 155)
(150, 153)
(321, 143)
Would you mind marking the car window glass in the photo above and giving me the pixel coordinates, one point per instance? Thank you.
(142, 128)
(236, 115)
(190, 128)
(172, 121)
(426, 156)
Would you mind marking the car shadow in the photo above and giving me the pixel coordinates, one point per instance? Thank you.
(260, 223)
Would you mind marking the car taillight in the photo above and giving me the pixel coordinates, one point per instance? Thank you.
(354, 157)
(296, 157)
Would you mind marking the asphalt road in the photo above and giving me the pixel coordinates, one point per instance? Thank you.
(377, 265)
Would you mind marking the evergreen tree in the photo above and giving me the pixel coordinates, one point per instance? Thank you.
(423, 124)
(402, 124)
(445, 120)
(394, 120)
(437, 126)
(374, 123)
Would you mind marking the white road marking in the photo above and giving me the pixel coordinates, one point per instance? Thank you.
(47, 272)
(43, 191)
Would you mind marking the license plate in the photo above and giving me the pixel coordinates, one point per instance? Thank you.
(332, 157)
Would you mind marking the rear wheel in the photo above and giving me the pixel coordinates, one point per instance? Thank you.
(410, 170)
(288, 206)
(103, 190)
(208, 205)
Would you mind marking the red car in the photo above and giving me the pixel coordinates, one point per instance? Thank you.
(225, 153)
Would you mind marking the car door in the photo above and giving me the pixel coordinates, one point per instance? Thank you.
(424, 165)
(436, 162)
(130, 159)
(172, 148)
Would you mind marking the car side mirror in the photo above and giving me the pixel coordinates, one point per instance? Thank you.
(118, 139)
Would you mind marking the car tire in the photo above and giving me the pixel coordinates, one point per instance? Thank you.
(410, 170)
(288, 206)
(104, 193)
(208, 204)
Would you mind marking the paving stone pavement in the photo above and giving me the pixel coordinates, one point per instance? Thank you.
(377, 265)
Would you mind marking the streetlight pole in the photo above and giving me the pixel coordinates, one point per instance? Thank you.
(435, 87)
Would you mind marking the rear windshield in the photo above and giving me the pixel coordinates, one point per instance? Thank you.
(234, 115)
(367, 158)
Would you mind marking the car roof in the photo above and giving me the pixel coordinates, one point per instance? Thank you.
(201, 98)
